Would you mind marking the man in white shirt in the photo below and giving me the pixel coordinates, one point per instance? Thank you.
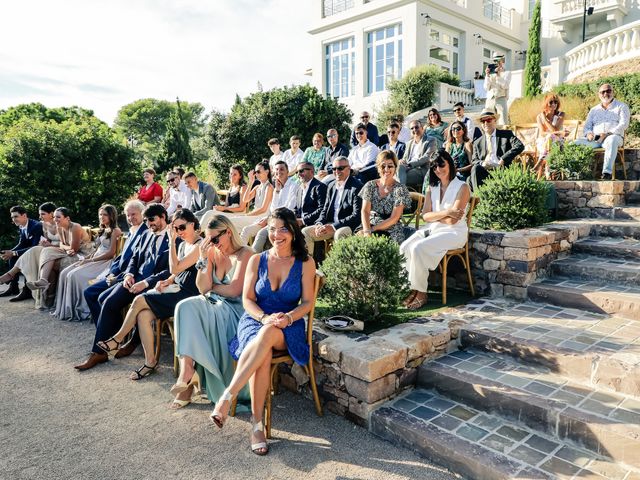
(605, 127)
(363, 156)
(285, 194)
(277, 154)
(293, 156)
(405, 134)
(496, 84)
(178, 197)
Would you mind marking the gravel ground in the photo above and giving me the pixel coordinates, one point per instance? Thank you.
(58, 423)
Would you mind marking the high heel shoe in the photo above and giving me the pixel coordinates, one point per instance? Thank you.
(259, 448)
(40, 284)
(182, 386)
(216, 416)
(104, 346)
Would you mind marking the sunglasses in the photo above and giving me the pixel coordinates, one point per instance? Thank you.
(180, 228)
(339, 169)
(387, 167)
(486, 120)
(364, 117)
(608, 90)
(555, 102)
(359, 133)
(392, 132)
(300, 170)
(457, 110)
(414, 128)
(438, 164)
(170, 180)
(151, 219)
(332, 135)
(215, 240)
(456, 129)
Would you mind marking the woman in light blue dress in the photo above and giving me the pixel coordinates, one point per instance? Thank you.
(205, 324)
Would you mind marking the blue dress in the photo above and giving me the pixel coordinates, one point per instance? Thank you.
(285, 299)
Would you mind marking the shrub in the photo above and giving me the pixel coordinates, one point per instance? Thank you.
(571, 162)
(532, 80)
(510, 199)
(364, 277)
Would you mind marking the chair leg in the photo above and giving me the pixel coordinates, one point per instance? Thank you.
(176, 364)
(444, 279)
(624, 166)
(156, 353)
(234, 400)
(314, 387)
(267, 413)
(469, 277)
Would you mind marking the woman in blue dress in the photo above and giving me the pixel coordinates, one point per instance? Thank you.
(278, 293)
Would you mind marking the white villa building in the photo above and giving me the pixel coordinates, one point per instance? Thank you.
(360, 44)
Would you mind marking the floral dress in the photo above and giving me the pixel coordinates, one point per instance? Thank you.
(382, 207)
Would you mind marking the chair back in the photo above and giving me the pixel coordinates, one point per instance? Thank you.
(317, 285)
(91, 232)
(120, 245)
(418, 198)
(572, 126)
(222, 195)
(527, 133)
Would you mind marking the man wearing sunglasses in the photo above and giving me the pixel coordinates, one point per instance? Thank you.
(605, 127)
(311, 196)
(148, 265)
(458, 111)
(395, 145)
(413, 167)
(494, 149)
(372, 130)
(178, 195)
(363, 156)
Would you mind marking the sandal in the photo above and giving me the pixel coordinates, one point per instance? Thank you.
(180, 387)
(216, 416)
(417, 303)
(104, 346)
(259, 448)
(410, 298)
(142, 373)
(40, 284)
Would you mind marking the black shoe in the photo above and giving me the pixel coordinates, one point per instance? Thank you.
(11, 291)
(25, 294)
(606, 176)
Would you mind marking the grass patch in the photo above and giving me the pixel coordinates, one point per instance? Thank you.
(401, 314)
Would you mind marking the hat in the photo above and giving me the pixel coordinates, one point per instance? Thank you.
(488, 112)
(497, 56)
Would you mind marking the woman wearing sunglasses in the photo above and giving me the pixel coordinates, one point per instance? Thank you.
(460, 147)
(206, 324)
(550, 130)
(160, 302)
(436, 127)
(444, 210)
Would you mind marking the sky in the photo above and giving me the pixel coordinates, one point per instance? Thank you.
(103, 54)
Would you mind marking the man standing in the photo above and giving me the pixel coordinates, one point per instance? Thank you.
(285, 194)
(395, 145)
(340, 214)
(149, 264)
(494, 149)
(372, 130)
(335, 150)
(203, 195)
(311, 196)
(415, 164)
(30, 234)
(496, 84)
(605, 127)
(458, 111)
(363, 156)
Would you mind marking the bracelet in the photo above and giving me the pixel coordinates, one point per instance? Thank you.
(201, 265)
(262, 317)
(290, 319)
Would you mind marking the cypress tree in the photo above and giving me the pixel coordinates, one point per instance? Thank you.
(175, 146)
(532, 71)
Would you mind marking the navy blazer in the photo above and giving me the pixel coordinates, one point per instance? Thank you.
(313, 202)
(399, 148)
(29, 237)
(121, 262)
(350, 206)
(144, 265)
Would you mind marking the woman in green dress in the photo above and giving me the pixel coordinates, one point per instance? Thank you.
(205, 324)
(435, 126)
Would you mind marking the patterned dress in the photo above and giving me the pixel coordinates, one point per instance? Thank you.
(382, 207)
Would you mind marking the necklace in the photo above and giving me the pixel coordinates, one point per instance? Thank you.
(386, 188)
(280, 257)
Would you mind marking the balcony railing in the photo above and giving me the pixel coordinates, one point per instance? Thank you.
(496, 12)
(570, 7)
(331, 7)
(460, 3)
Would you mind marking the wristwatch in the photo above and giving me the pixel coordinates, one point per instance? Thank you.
(201, 265)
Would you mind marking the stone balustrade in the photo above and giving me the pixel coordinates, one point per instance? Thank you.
(448, 95)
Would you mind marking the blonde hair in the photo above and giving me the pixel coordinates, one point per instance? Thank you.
(386, 155)
(222, 222)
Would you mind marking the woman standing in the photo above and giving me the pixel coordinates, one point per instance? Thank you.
(316, 154)
(460, 147)
(150, 192)
(160, 302)
(70, 302)
(234, 203)
(278, 293)
(206, 324)
(444, 210)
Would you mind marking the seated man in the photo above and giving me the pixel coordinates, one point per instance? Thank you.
(395, 145)
(285, 194)
(605, 127)
(30, 235)
(363, 156)
(472, 131)
(372, 130)
(149, 264)
(340, 214)
(335, 150)
(311, 197)
(494, 149)
(133, 211)
(203, 195)
(179, 197)
(413, 167)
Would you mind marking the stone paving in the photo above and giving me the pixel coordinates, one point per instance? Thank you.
(608, 268)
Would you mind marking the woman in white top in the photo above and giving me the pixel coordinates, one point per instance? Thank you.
(550, 130)
(444, 211)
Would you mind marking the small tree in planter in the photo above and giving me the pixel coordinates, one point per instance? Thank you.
(570, 162)
(364, 277)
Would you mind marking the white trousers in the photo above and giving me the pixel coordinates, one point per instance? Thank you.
(423, 254)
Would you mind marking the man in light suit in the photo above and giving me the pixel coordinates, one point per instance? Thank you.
(312, 195)
(149, 264)
(30, 234)
(494, 149)
(340, 215)
(415, 164)
(203, 196)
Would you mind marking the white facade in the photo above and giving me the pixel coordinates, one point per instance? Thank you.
(361, 44)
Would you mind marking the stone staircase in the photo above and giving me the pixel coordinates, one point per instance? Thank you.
(546, 388)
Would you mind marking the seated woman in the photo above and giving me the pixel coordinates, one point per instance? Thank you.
(435, 126)
(29, 263)
(550, 130)
(262, 193)
(278, 293)
(316, 154)
(160, 302)
(384, 200)
(150, 192)
(234, 203)
(460, 147)
(446, 228)
(70, 302)
(75, 244)
(204, 325)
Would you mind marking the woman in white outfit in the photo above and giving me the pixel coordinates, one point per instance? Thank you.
(444, 211)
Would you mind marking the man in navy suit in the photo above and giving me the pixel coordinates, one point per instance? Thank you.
(340, 214)
(30, 234)
(311, 195)
(148, 265)
(133, 210)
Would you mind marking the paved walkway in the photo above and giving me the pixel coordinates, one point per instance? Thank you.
(57, 423)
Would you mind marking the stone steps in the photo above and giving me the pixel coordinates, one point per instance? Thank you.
(598, 268)
(633, 198)
(485, 446)
(613, 228)
(611, 247)
(627, 212)
(537, 397)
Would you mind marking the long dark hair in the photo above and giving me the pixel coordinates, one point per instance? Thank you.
(440, 156)
(113, 220)
(298, 245)
(465, 134)
(186, 215)
(265, 166)
(238, 168)
(47, 207)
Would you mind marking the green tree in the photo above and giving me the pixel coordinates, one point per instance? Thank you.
(532, 71)
(175, 146)
(242, 134)
(38, 111)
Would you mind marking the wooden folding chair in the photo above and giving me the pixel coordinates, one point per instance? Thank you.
(527, 133)
(418, 198)
(619, 153)
(161, 325)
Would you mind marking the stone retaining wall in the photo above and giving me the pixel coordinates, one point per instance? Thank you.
(592, 199)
